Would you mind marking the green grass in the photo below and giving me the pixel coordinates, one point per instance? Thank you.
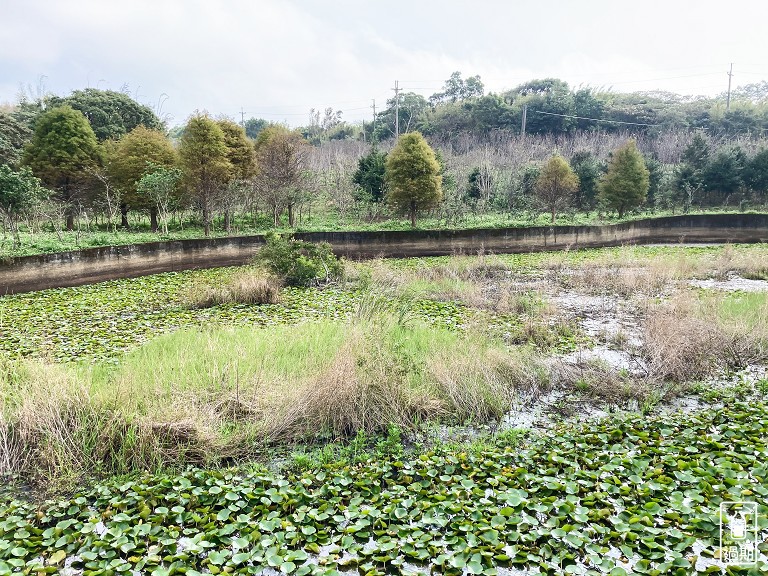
(223, 357)
(217, 393)
(749, 307)
(45, 242)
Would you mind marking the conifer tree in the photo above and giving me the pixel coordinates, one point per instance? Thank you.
(625, 185)
(413, 175)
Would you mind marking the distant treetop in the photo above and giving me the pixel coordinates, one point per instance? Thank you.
(111, 114)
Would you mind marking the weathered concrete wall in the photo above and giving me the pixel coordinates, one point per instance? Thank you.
(98, 264)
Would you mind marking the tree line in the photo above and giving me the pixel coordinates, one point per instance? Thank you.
(99, 155)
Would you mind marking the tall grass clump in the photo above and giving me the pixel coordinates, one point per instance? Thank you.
(246, 287)
(227, 394)
(692, 336)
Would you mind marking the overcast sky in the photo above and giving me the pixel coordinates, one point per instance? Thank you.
(276, 59)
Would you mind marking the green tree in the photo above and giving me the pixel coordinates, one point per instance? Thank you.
(480, 184)
(625, 185)
(657, 177)
(413, 176)
(240, 151)
(159, 185)
(130, 159)
(556, 185)
(62, 150)
(203, 153)
(724, 173)
(20, 192)
(756, 172)
(690, 173)
(13, 136)
(369, 175)
(588, 169)
(111, 114)
(253, 126)
(457, 89)
(241, 154)
(550, 105)
(411, 111)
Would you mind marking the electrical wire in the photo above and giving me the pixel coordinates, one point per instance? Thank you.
(593, 119)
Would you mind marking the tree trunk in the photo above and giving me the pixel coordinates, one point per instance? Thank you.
(70, 218)
(413, 214)
(124, 215)
(290, 215)
(153, 218)
(206, 221)
(227, 221)
(553, 215)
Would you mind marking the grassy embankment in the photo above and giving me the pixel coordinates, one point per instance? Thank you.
(48, 241)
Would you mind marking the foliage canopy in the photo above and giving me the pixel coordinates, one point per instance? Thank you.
(413, 175)
(556, 185)
(111, 114)
(625, 185)
(299, 263)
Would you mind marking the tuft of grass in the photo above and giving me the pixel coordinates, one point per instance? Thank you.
(243, 288)
(692, 337)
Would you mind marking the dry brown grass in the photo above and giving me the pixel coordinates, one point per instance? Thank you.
(628, 273)
(622, 278)
(484, 282)
(749, 263)
(243, 288)
(367, 388)
(688, 338)
(356, 392)
(597, 380)
(54, 430)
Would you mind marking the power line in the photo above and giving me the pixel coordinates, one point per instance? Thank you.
(665, 78)
(594, 119)
(302, 113)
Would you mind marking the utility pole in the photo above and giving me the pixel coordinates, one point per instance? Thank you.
(525, 117)
(242, 117)
(728, 99)
(373, 131)
(397, 109)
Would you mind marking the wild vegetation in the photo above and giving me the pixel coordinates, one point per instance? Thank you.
(326, 425)
(104, 169)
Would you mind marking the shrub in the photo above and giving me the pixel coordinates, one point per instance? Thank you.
(299, 263)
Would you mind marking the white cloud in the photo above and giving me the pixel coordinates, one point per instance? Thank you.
(278, 58)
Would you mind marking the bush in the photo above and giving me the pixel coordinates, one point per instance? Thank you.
(299, 263)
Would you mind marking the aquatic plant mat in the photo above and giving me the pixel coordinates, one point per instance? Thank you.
(634, 495)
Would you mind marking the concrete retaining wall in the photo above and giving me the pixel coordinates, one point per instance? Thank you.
(29, 273)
